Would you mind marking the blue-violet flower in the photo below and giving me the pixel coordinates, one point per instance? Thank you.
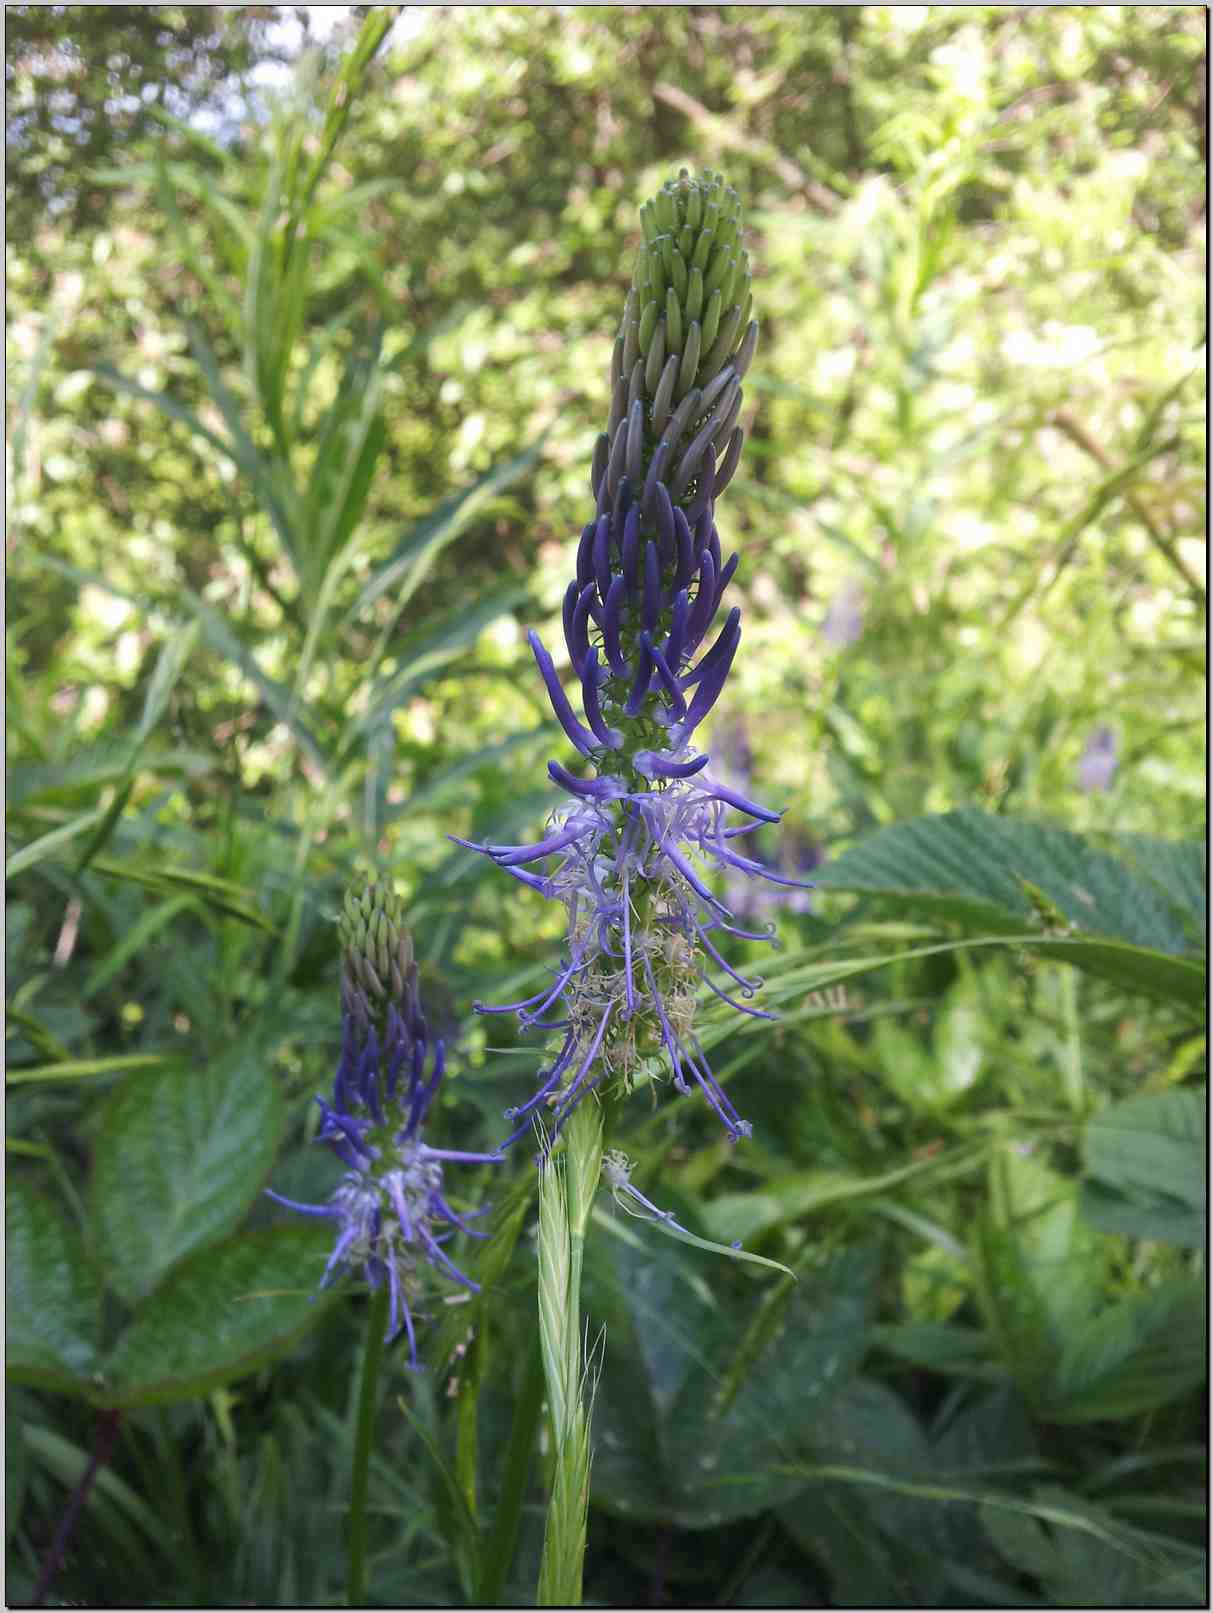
(626, 853)
(390, 1208)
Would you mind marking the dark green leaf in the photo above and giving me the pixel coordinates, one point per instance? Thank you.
(1146, 1161)
(180, 1157)
(52, 1295)
(221, 1314)
(1141, 1353)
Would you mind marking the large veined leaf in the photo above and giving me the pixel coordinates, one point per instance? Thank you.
(52, 1295)
(1147, 1169)
(1141, 1353)
(221, 1314)
(703, 1394)
(1178, 870)
(180, 1157)
(1066, 898)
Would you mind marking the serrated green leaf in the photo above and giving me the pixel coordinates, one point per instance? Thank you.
(222, 1314)
(1141, 1353)
(180, 1156)
(676, 1438)
(973, 865)
(52, 1295)
(875, 1543)
(1147, 1165)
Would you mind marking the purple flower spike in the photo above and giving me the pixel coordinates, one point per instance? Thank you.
(581, 736)
(610, 737)
(634, 850)
(390, 1205)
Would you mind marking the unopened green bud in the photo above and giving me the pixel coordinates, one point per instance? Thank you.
(378, 967)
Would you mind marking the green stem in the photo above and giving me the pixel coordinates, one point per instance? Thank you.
(567, 1189)
(376, 1327)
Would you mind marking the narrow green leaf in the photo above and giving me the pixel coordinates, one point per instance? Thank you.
(76, 1069)
(132, 942)
(48, 845)
(404, 573)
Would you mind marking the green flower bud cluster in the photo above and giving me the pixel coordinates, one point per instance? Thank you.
(378, 967)
(685, 343)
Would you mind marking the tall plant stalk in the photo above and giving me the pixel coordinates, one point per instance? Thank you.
(568, 1182)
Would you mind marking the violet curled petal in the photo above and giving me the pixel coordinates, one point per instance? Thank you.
(571, 595)
(585, 564)
(703, 531)
(622, 503)
(328, 1211)
(707, 694)
(591, 789)
(700, 618)
(721, 792)
(706, 489)
(672, 649)
(630, 554)
(652, 587)
(666, 676)
(580, 736)
(602, 556)
(610, 737)
(686, 551)
(535, 881)
(653, 479)
(579, 639)
(639, 692)
(612, 621)
(651, 764)
(709, 661)
(664, 516)
(692, 878)
(511, 855)
(726, 577)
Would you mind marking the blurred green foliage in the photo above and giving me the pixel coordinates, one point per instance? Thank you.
(304, 380)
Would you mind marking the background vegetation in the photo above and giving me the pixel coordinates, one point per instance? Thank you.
(305, 369)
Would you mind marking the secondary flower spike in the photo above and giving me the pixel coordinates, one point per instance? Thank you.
(390, 1209)
(630, 852)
